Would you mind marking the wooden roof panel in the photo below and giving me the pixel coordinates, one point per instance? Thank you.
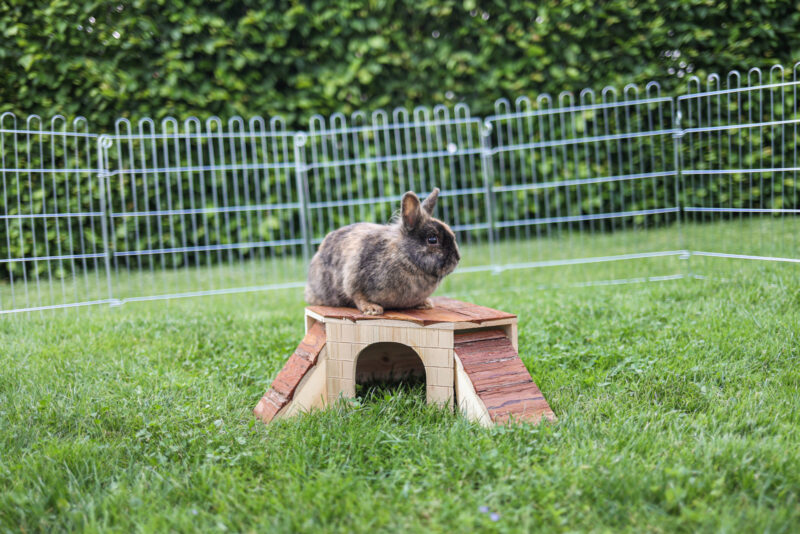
(445, 310)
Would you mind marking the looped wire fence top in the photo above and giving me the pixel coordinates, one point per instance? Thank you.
(173, 209)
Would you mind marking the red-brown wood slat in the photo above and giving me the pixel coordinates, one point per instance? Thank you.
(290, 376)
(267, 408)
(485, 351)
(285, 384)
(500, 378)
(312, 343)
(480, 335)
(428, 317)
(474, 313)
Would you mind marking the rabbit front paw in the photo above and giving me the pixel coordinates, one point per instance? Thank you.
(427, 305)
(366, 307)
(369, 308)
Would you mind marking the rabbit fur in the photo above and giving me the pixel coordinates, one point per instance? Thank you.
(394, 266)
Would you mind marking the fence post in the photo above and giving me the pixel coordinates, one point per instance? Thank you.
(300, 139)
(103, 144)
(488, 183)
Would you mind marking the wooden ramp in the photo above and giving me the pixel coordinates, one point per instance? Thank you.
(300, 363)
(466, 353)
(500, 382)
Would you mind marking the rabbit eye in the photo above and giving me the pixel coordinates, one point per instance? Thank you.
(432, 239)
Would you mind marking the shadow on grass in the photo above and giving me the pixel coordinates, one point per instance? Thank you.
(408, 389)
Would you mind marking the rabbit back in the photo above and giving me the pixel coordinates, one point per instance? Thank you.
(330, 274)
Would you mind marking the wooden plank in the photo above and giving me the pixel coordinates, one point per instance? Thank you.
(310, 393)
(478, 357)
(500, 379)
(487, 347)
(482, 344)
(312, 343)
(269, 405)
(266, 410)
(496, 367)
(512, 392)
(285, 384)
(433, 316)
(418, 317)
(473, 312)
(491, 379)
(334, 312)
(478, 366)
(290, 376)
(461, 338)
(504, 381)
(521, 408)
(468, 401)
(503, 375)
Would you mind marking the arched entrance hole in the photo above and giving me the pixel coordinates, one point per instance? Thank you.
(388, 366)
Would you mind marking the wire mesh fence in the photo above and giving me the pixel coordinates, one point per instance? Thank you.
(740, 168)
(672, 186)
(567, 170)
(201, 208)
(52, 252)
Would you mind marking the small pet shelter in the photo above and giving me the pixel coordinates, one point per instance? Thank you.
(467, 355)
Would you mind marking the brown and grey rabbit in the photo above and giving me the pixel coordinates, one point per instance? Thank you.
(375, 266)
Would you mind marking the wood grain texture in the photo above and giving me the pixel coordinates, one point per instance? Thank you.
(284, 385)
(499, 377)
(289, 377)
(480, 335)
(445, 311)
(312, 343)
(499, 381)
(473, 312)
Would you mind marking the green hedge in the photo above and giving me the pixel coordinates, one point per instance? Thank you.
(103, 59)
(132, 59)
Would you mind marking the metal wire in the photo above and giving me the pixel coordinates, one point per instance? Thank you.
(200, 209)
(740, 166)
(566, 171)
(50, 215)
(673, 186)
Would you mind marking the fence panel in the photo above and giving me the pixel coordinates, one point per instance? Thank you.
(202, 208)
(587, 180)
(619, 186)
(51, 248)
(740, 166)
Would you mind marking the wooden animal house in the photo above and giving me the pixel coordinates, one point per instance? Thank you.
(467, 355)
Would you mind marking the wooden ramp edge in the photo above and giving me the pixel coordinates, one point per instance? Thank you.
(283, 388)
(498, 378)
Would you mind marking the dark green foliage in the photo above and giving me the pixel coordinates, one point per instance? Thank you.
(296, 59)
(106, 60)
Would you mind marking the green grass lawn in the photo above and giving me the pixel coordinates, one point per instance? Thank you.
(677, 404)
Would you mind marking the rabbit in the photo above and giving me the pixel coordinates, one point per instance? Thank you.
(375, 267)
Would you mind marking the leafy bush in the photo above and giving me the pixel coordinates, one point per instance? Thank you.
(105, 60)
(134, 58)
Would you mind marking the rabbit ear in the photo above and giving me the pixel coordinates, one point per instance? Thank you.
(430, 202)
(411, 211)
